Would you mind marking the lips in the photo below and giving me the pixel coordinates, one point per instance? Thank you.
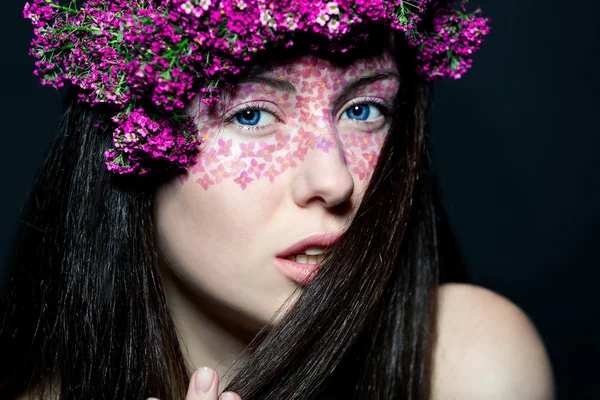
(320, 240)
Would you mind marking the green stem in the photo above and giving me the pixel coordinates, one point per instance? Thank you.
(63, 8)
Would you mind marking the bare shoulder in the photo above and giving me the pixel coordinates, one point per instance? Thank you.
(487, 348)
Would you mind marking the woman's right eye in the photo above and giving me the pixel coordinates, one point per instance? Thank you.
(254, 117)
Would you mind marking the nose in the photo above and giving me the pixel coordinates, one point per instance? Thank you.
(323, 177)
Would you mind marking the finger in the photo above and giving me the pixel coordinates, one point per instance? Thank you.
(204, 385)
(229, 396)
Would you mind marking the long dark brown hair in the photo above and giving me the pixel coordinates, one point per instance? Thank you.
(86, 314)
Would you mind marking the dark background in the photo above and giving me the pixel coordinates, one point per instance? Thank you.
(515, 145)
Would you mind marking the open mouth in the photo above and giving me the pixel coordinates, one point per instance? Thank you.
(312, 255)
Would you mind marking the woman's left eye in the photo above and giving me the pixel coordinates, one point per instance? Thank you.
(362, 112)
(254, 117)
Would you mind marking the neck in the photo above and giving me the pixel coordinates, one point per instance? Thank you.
(211, 334)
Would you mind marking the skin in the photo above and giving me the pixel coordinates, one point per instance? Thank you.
(256, 191)
(259, 187)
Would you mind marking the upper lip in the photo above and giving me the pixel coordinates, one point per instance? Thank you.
(317, 240)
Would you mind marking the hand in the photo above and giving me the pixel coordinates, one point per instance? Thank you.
(204, 385)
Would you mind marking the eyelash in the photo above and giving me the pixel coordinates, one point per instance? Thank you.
(252, 106)
(384, 108)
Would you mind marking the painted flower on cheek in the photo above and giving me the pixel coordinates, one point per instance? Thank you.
(349, 140)
(266, 151)
(286, 162)
(197, 168)
(209, 157)
(371, 158)
(220, 173)
(256, 168)
(247, 150)
(283, 141)
(236, 166)
(361, 170)
(205, 181)
(271, 173)
(300, 152)
(224, 147)
(243, 180)
(366, 141)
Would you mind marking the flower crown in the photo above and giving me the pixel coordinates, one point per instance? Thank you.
(121, 52)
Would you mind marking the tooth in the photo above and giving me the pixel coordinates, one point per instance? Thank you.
(302, 259)
(312, 259)
(291, 258)
(313, 251)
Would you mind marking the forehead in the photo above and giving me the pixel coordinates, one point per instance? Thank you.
(310, 65)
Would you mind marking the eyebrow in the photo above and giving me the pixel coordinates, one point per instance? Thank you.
(289, 87)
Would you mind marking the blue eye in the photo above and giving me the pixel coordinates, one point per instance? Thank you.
(362, 112)
(249, 117)
(254, 117)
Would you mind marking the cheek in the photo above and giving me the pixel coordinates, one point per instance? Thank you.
(361, 151)
(210, 231)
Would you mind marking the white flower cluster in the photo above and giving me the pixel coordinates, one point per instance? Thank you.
(330, 10)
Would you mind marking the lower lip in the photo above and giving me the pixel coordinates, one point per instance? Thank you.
(299, 273)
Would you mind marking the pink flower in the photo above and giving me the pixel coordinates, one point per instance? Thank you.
(266, 151)
(209, 157)
(243, 180)
(224, 147)
(247, 150)
(256, 168)
(220, 173)
(283, 101)
(302, 102)
(271, 173)
(205, 181)
(236, 166)
(283, 141)
(286, 162)
(300, 152)
(371, 158)
(198, 167)
(325, 144)
(366, 141)
(361, 170)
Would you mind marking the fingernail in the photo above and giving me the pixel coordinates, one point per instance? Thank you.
(228, 396)
(204, 378)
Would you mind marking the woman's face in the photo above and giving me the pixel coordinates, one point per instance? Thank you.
(283, 164)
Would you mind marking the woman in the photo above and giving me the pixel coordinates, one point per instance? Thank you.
(297, 254)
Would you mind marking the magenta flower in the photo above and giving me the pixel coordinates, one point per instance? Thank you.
(131, 52)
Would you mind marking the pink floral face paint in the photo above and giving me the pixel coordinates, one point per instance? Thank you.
(273, 119)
